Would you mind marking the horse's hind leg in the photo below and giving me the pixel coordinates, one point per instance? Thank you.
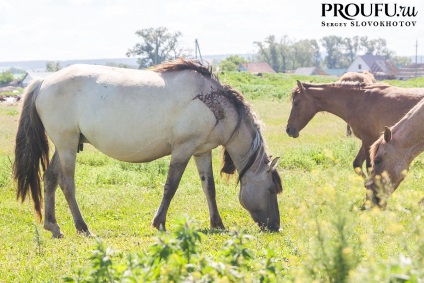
(204, 167)
(51, 179)
(67, 184)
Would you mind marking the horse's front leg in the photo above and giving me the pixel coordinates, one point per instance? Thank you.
(204, 167)
(51, 179)
(359, 161)
(368, 165)
(175, 172)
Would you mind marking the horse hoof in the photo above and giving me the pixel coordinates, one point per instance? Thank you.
(159, 226)
(86, 233)
(220, 227)
(217, 226)
(58, 236)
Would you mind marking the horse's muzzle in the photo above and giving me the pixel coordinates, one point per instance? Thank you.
(292, 132)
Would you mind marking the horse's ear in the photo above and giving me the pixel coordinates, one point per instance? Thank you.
(300, 86)
(387, 134)
(273, 164)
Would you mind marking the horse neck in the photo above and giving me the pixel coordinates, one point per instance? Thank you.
(408, 132)
(339, 102)
(246, 144)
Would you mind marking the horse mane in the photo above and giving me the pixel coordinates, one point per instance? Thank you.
(235, 97)
(244, 112)
(341, 85)
(344, 84)
(180, 64)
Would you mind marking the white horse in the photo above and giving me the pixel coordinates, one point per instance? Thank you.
(178, 108)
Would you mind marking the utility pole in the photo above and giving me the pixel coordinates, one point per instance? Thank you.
(197, 48)
(416, 58)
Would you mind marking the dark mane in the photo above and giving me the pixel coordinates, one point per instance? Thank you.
(244, 112)
(181, 64)
(233, 96)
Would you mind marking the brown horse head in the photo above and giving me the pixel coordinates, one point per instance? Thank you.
(303, 110)
(390, 166)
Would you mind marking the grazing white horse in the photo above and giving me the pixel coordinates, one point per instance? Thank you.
(179, 109)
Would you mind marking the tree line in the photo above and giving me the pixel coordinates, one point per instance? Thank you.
(159, 44)
(287, 54)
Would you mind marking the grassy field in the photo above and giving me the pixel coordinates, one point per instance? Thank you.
(325, 236)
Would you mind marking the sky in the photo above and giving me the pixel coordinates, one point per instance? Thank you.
(94, 29)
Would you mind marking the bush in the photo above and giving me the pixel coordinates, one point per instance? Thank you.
(6, 77)
(178, 257)
(231, 63)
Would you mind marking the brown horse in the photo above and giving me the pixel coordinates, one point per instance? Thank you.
(392, 154)
(366, 108)
(364, 77)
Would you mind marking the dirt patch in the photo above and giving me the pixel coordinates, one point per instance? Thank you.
(9, 99)
(8, 88)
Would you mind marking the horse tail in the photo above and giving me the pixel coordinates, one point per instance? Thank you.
(31, 149)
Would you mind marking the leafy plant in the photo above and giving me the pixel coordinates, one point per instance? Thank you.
(6, 77)
(178, 258)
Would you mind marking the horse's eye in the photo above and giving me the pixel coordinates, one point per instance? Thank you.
(295, 104)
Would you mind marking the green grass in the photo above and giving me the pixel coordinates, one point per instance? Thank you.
(277, 86)
(325, 235)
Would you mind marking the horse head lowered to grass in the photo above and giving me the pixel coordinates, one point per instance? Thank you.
(392, 154)
(178, 108)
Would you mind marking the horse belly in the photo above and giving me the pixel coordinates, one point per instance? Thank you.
(128, 138)
(141, 151)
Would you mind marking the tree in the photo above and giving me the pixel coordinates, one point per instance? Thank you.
(352, 47)
(401, 61)
(286, 54)
(53, 66)
(304, 53)
(158, 45)
(270, 53)
(334, 46)
(376, 47)
(231, 63)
